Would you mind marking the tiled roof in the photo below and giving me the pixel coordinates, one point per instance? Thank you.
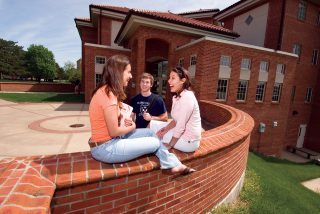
(83, 19)
(199, 11)
(113, 8)
(174, 18)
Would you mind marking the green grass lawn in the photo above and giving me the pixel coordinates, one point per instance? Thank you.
(42, 97)
(274, 186)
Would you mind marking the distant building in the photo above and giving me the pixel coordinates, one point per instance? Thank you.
(79, 64)
(260, 79)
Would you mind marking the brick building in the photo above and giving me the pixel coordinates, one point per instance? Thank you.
(289, 26)
(259, 78)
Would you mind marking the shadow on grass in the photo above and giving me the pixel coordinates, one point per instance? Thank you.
(279, 161)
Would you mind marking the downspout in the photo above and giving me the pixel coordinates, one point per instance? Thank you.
(281, 25)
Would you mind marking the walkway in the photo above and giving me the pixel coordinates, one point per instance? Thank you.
(43, 128)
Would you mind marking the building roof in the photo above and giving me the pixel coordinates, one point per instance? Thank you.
(237, 7)
(178, 19)
(199, 11)
(83, 19)
(111, 8)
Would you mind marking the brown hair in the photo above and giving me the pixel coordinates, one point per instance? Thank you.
(147, 76)
(182, 73)
(112, 76)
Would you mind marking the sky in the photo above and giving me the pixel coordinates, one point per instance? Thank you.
(51, 22)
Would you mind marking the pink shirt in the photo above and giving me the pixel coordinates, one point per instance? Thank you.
(186, 113)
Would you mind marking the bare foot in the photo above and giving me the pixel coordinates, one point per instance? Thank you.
(182, 170)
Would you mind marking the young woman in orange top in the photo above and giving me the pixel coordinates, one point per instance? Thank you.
(112, 143)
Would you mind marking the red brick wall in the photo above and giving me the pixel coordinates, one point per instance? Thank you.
(36, 87)
(89, 34)
(313, 135)
(104, 31)
(159, 192)
(76, 183)
(306, 33)
(209, 53)
(228, 24)
(274, 24)
(155, 47)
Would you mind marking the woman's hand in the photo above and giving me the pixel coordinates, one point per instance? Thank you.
(128, 122)
(161, 132)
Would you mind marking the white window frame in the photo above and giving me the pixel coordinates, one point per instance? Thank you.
(193, 59)
(296, 49)
(242, 90)
(302, 10)
(280, 68)
(264, 66)
(246, 64)
(276, 94)
(315, 55)
(225, 61)
(308, 97)
(100, 59)
(260, 91)
(222, 89)
(96, 78)
(181, 62)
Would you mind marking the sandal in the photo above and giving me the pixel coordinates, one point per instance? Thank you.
(187, 171)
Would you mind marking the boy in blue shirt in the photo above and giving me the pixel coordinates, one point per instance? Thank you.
(146, 105)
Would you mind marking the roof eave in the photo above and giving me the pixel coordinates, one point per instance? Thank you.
(133, 20)
(236, 8)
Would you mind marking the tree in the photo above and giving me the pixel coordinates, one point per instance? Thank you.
(12, 59)
(40, 62)
(60, 74)
(73, 74)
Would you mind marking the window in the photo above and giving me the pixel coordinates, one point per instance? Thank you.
(193, 59)
(100, 60)
(315, 54)
(280, 68)
(98, 79)
(225, 61)
(302, 9)
(260, 91)
(181, 62)
(276, 92)
(264, 66)
(308, 97)
(296, 49)
(242, 90)
(249, 19)
(245, 64)
(222, 89)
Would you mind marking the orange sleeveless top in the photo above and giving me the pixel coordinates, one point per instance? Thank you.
(100, 101)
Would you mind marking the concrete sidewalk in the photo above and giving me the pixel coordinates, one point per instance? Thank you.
(43, 128)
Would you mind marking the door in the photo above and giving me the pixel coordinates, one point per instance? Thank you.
(301, 134)
(161, 79)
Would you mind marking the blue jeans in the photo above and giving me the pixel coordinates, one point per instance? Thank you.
(132, 145)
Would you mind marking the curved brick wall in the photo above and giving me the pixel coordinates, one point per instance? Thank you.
(36, 87)
(77, 183)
